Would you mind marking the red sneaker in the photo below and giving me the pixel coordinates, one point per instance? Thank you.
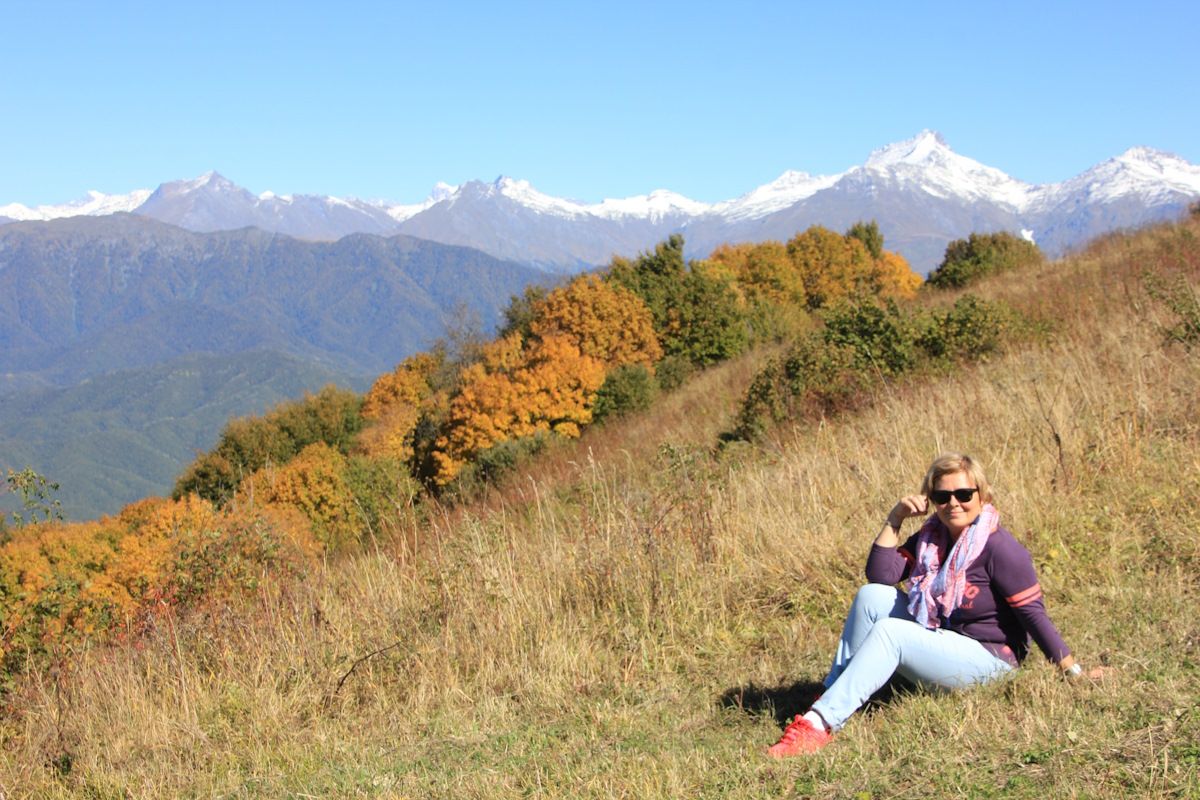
(798, 738)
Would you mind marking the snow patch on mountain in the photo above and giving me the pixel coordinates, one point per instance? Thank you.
(788, 189)
(400, 211)
(655, 206)
(523, 193)
(92, 204)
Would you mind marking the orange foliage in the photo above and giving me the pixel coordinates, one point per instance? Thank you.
(895, 278)
(407, 385)
(515, 392)
(59, 581)
(395, 404)
(833, 267)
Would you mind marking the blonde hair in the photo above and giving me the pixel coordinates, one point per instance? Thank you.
(950, 463)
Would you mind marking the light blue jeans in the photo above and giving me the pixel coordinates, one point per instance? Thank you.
(880, 638)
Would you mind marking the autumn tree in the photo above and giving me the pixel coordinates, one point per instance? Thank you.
(394, 406)
(831, 266)
(542, 377)
(763, 271)
(895, 278)
(518, 317)
(834, 267)
(604, 321)
(514, 392)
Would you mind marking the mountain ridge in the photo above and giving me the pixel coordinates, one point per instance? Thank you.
(509, 218)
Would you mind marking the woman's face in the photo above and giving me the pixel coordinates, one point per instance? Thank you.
(956, 515)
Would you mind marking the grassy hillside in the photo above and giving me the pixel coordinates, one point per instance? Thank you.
(637, 613)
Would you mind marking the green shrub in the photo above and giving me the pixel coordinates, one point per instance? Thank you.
(834, 369)
(880, 337)
(504, 457)
(630, 387)
(981, 254)
(868, 233)
(814, 379)
(695, 314)
(1182, 300)
(672, 372)
(972, 328)
(776, 322)
(382, 488)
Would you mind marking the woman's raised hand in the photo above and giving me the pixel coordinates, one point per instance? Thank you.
(913, 505)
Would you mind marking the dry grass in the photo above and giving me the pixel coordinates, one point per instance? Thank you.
(633, 618)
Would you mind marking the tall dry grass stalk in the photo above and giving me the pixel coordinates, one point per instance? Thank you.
(632, 618)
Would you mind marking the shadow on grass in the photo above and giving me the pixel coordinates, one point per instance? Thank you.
(785, 702)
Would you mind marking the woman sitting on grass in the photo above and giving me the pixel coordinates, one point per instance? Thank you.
(972, 604)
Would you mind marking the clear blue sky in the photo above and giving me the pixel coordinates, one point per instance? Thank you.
(583, 99)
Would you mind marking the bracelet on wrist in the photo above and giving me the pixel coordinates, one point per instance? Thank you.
(1073, 671)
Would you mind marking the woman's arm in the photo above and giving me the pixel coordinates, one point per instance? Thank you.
(886, 564)
(914, 505)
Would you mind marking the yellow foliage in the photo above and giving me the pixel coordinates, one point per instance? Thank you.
(390, 435)
(59, 581)
(313, 484)
(763, 272)
(831, 266)
(147, 552)
(603, 321)
(395, 404)
(407, 385)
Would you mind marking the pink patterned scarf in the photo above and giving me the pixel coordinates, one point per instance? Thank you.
(936, 589)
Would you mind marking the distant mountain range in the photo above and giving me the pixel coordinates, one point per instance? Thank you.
(921, 193)
(83, 296)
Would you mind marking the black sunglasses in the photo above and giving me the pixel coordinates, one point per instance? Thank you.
(942, 496)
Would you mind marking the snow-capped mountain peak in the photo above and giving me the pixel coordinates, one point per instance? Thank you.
(211, 181)
(522, 192)
(402, 211)
(924, 148)
(919, 190)
(927, 162)
(1150, 175)
(655, 206)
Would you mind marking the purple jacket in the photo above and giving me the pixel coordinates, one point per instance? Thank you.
(1002, 606)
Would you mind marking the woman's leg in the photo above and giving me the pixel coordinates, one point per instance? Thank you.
(938, 658)
(874, 602)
